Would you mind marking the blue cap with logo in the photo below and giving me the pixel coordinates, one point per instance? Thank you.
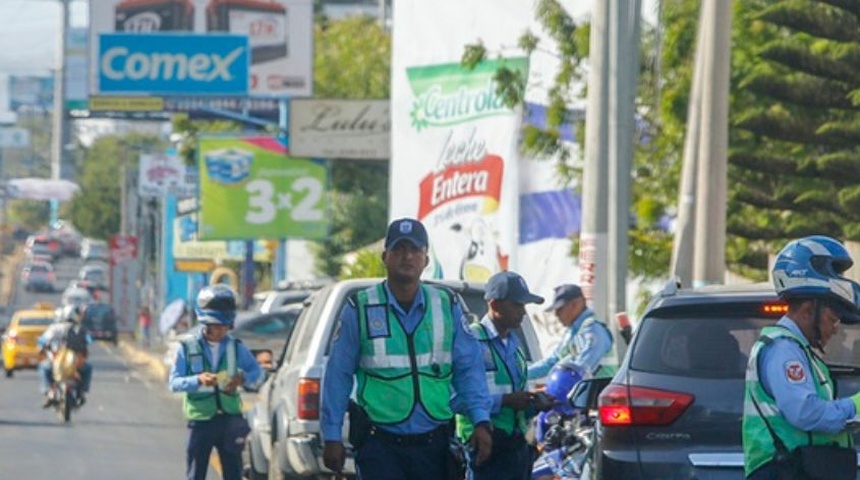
(509, 286)
(406, 229)
(564, 294)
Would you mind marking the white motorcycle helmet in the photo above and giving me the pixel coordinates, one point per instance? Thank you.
(73, 313)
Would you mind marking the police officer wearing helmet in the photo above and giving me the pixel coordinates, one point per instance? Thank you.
(790, 400)
(209, 368)
(505, 369)
(407, 346)
(67, 332)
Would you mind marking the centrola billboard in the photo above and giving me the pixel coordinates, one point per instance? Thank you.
(280, 36)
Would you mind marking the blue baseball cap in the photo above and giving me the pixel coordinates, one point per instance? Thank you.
(564, 294)
(406, 229)
(509, 286)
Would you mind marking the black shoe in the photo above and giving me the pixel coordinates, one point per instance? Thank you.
(81, 400)
(48, 402)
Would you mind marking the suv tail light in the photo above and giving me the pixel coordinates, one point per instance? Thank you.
(621, 405)
(309, 399)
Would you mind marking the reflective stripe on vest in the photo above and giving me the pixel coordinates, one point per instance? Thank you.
(203, 403)
(193, 348)
(759, 448)
(397, 370)
(608, 363)
(499, 382)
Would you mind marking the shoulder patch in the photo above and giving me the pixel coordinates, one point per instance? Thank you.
(794, 372)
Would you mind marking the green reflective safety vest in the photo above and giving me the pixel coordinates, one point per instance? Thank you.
(204, 403)
(759, 447)
(609, 362)
(499, 382)
(398, 370)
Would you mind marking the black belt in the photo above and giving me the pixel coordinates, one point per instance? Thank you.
(409, 440)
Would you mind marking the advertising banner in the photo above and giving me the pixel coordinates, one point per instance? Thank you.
(250, 188)
(357, 129)
(76, 68)
(279, 35)
(31, 92)
(124, 292)
(162, 173)
(173, 64)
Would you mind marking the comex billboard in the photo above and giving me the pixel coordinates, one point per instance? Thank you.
(279, 35)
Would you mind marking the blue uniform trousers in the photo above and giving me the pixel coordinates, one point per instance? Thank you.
(203, 435)
(379, 459)
(510, 460)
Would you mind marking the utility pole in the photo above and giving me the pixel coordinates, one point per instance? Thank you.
(60, 127)
(709, 265)
(593, 236)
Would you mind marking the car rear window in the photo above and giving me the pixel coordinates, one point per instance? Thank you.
(700, 347)
(35, 322)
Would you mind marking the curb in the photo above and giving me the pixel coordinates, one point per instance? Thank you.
(149, 359)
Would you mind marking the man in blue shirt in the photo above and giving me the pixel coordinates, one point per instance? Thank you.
(505, 364)
(585, 342)
(406, 344)
(209, 368)
(790, 399)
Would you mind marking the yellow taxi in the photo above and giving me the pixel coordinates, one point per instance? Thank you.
(20, 347)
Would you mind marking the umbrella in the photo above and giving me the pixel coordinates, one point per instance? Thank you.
(170, 315)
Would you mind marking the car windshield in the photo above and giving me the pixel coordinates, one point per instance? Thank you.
(35, 322)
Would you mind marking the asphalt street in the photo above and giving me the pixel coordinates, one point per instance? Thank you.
(130, 428)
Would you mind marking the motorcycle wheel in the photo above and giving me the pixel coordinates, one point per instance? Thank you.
(65, 401)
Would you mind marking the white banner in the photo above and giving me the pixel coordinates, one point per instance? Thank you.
(454, 141)
(357, 129)
(280, 34)
(160, 174)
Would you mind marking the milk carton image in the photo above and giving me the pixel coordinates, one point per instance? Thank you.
(229, 166)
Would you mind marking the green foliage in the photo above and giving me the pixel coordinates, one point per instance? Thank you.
(368, 263)
(189, 131)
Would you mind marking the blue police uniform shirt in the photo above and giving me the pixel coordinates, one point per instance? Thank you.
(245, 361)
(794, 390)
(591, 342)
(468, 373)
(507, 349)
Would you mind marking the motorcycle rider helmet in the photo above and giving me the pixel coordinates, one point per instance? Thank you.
(216, 305)
(73, 313)
(560, 382)
(811, 267)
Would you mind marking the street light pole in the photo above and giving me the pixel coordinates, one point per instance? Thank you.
(60, 127)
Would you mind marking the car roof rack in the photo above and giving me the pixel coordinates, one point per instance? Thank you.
(670, 289)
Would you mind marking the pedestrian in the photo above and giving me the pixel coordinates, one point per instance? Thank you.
(793, 424)
(407, 345)
(209, 368)
(587, 341)
(144, 320)
(505, 369)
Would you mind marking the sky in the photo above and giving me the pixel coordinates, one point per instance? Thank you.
(28, 37)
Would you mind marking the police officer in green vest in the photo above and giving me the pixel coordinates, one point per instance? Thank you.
(505, 367)
(406, 345)
(209, 368)
(789, 402)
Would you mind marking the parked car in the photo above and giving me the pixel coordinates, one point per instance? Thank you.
(38, 277)
(674, 408)
(100, 320)
(285, 437)
(20, 347)
(266, 331)
(272, 300)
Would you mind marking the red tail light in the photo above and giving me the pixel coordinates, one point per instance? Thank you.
(621, 405)
(309, 399)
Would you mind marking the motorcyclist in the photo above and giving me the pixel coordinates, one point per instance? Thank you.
(70, 333)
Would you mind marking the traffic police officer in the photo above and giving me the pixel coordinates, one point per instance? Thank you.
(505, 365)
(406, 343)
(789, 401)
(208, 368)
(586, 342)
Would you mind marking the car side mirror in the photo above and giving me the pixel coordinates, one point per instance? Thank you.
(585, 394)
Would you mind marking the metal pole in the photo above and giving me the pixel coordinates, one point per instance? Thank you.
(279, 263)
(624, 63)
(593, 235)
(710, 239)
(60, 129)
(685, 225)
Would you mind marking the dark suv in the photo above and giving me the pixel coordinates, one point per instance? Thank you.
(674, 409)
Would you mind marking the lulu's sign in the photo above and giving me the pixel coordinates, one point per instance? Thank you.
(355, 129)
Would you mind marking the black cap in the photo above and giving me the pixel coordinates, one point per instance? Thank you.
(509, 286)
(564, 294)
(406, 229)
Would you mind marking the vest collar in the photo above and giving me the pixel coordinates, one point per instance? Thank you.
(491, 329)
(417, 302)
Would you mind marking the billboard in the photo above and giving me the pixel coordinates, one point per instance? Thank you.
(358, 129)
(172, 64)
(250, 188)
(161, 173)
(124, 291)
(32, 92)
(279, 32)
(76, 68)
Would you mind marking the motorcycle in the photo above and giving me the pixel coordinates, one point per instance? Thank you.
(65, 392)
(564, 435)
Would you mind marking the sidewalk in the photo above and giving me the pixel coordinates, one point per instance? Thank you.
(150, 359)
(9, 274)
